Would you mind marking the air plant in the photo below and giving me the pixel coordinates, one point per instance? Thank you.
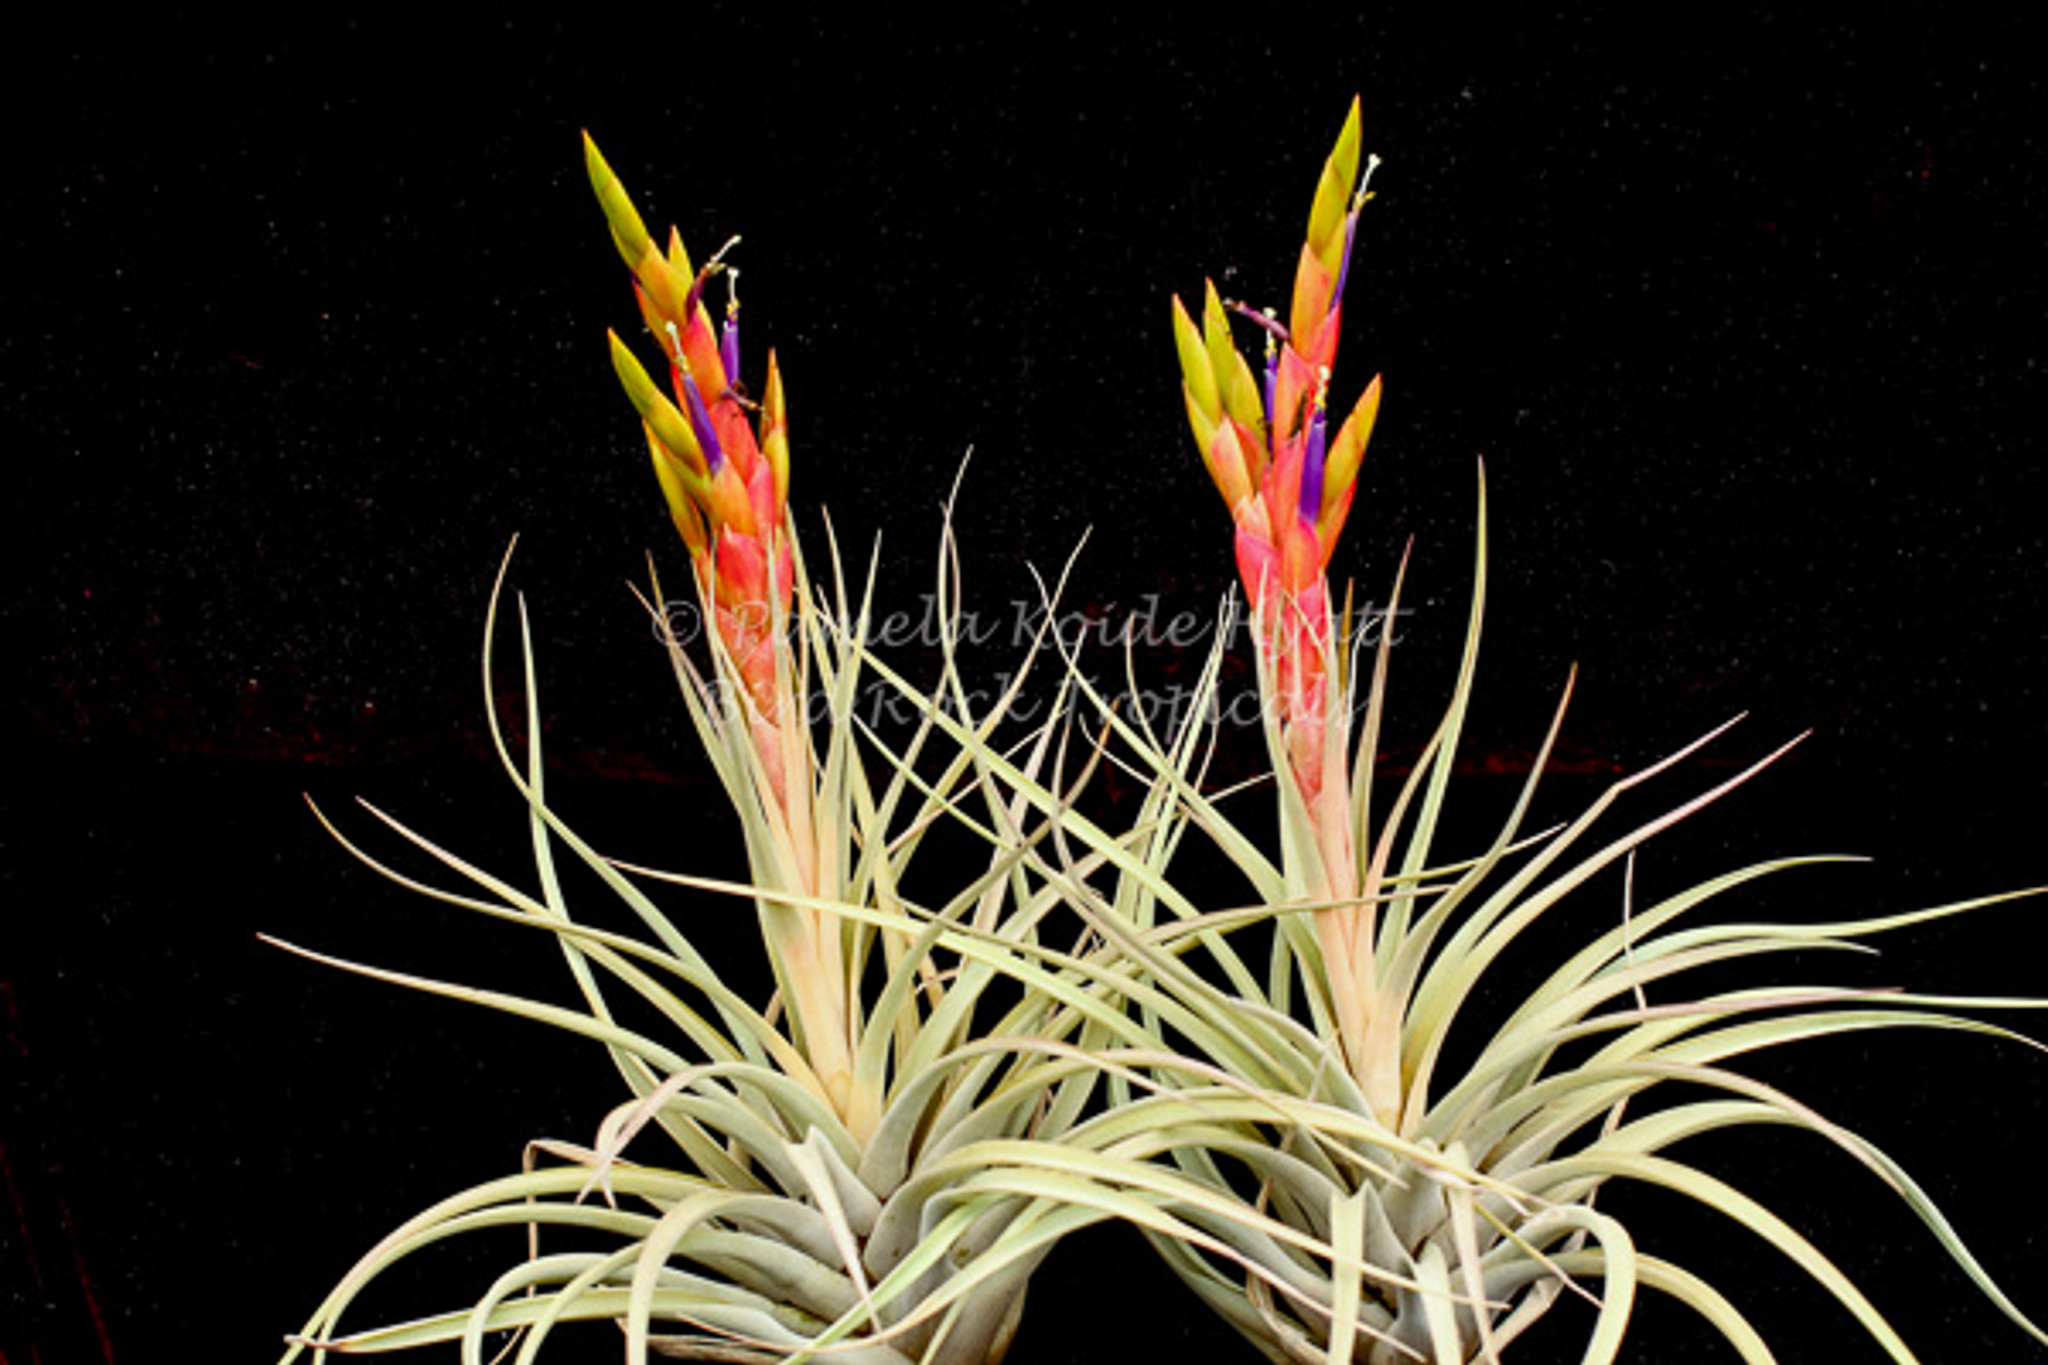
(1448, 1257)
(870, 1165)
(1289, 489)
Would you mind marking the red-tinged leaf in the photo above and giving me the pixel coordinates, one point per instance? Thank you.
(1301, 557)
(1319, 347)
(764, 727)
(1251, 441)
(1331, 524)
(761, 496)
(701, 356)
(1305, 750)
(1312, 602)
(1294, 388)
(748, 638)
(1314, 286)
(726, 500)
(785, 572)
(1258, 563)
(742, 573)
(1282, 487)
(1347, 452)
(736, 436)
(1227, 466)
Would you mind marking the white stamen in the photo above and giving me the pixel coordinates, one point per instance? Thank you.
(1372, 163)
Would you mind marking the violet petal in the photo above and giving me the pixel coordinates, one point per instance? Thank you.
(700, 423)
(1344, 263)
(1272, 375)
(1312, 464)
(729, 349)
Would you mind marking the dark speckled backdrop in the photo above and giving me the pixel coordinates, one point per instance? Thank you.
(300, 324)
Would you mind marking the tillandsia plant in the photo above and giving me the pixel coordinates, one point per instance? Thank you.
(869, 1166)
(1289, 488)
(1455, 1207)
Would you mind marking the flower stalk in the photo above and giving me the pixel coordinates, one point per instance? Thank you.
(722, 461)
(1289, 486)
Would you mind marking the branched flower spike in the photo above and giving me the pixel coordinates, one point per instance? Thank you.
(1573, 1090)
(723, 464)
(1289, 487)
(726, 477)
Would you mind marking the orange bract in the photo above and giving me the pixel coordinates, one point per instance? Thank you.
(1289, 486)
(726, 477)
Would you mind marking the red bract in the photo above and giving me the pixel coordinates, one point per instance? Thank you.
(1289, 487)
(722, 459)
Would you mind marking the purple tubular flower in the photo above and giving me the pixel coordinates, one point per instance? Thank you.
(1272, 373)
(1344, 262)
(695, 295)
(1312, 464)
(729, 350)
(700, 425)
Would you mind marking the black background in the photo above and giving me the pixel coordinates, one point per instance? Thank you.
(303, 323)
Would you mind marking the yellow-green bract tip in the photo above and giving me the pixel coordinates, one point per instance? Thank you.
(775, 429)
(1194, 363)
(628, 232)
(663, 418)
(1333, 192)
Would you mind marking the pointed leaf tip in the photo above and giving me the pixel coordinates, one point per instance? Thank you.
(1195, 368)
(661, 416)
(629, 233)
(775, 430)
